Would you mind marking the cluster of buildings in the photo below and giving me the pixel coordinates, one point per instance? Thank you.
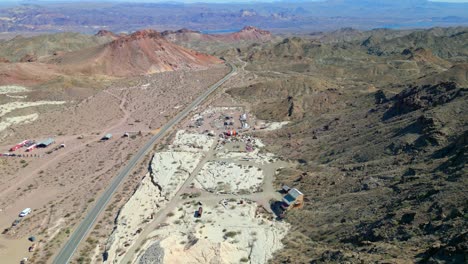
(30, 145)
(228, 123)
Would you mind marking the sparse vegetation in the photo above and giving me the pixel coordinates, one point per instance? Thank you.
(230, 234)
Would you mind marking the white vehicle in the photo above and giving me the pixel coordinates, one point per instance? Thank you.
(25, 212)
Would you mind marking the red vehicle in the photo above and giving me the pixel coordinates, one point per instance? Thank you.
(16, 147)
(19, 145)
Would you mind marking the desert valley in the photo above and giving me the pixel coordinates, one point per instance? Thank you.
(181, 146)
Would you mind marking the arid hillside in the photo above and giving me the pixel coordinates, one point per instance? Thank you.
(77, 58)
(426, 54)
(379, 135)
(33, 48)
(217, 43)
(143, 52)
(248, 33)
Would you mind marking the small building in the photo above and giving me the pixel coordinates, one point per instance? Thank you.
(293, 199)
(45, 143)
(243, 117)
(106, 137)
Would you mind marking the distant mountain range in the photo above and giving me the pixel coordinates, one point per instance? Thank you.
(282, 16)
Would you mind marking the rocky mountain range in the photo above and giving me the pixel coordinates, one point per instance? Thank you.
(217, 42)
(248, 33)
(379, 131)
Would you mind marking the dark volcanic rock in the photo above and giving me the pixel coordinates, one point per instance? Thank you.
(454, 251)
(423, 97)
(407, 218)
(380, 97)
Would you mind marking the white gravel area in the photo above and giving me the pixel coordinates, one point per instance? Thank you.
(275, 125)
(220, 176)
(168, 172)
(9, 121)
(135, 213)
(6, 89)
(229, 233)
(192, 142)
(170, 169)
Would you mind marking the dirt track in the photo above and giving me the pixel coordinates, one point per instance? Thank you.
(62, 183)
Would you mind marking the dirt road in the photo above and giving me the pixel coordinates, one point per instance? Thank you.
(82, 230)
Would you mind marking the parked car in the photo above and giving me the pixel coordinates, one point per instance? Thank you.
(25, 212)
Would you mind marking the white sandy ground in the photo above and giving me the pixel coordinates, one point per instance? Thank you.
(9, 121)
(17, 96)
(275, 125)
(192, 142)
(230, 233)
(255, 156)
(225, 177)
(9, 107)
(6, 89)
(168, 171)
(256, 237)
(136, 212)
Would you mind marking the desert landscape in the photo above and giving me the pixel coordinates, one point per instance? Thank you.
(190, 175)
(250, 145)
(79, 159)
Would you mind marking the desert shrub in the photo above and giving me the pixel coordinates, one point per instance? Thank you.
(230, 234)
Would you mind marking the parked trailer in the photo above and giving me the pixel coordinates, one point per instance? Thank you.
(30, 148)
(14, 148)
(19, 145)
(29, 143)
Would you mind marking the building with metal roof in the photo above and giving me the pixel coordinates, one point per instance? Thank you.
(294, 198)
(45, 143)
(107, 137)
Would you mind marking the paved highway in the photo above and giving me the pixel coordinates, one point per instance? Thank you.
(85, 226)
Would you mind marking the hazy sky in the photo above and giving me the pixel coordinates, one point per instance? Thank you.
(193, 1)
